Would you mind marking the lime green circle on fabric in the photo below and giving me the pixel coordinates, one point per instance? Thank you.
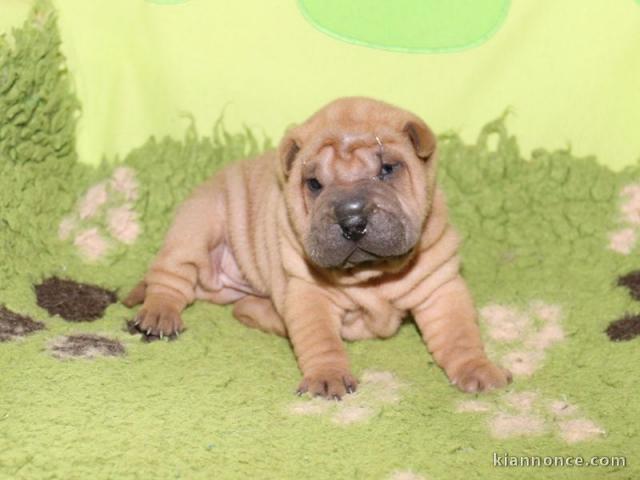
(421, 26)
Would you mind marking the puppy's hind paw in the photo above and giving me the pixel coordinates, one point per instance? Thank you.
(158, 318)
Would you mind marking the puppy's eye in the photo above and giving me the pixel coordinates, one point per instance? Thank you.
(387, 169)
(314, 185)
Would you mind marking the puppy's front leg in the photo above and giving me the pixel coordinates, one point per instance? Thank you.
(447, 321)
(313, 325)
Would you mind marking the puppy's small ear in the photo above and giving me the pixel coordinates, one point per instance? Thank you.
(287, 152)
(422, 138)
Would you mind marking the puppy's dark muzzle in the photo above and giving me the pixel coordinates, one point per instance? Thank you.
(352, 218)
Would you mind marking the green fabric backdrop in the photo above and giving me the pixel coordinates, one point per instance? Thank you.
(570, 69)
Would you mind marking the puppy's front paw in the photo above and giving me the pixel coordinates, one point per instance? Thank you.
(159, 316)
(479, 375)
(329, 383)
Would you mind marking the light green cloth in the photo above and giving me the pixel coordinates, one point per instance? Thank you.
(570, 71)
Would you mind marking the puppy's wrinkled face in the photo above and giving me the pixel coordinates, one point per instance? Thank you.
(359, 189)
(354, 197)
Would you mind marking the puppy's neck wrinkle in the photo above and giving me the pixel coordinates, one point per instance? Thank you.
(436, 222)
(363, 276)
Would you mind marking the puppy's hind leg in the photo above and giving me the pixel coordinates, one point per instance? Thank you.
(169, 285)
(257, 312)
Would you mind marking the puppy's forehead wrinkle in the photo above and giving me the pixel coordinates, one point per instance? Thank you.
(319, 160)
(357, 167)
(350, 142)
(332, 165)
(315, 135)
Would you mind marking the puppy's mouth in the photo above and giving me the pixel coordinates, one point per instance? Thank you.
(360, 257)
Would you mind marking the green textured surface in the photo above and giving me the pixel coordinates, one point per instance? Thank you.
(217, 402)
(409, 25)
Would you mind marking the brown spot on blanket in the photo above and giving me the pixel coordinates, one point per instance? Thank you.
(73, 301)
(632, 281)
(625, 328)
(13, 325)
(86, 345)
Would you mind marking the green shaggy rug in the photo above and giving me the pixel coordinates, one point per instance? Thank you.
(550, 253)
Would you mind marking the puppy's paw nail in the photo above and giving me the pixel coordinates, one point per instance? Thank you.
(350, 384)
(509, 375)
(302, 388)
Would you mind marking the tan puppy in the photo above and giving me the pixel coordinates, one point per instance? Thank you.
(338, 235)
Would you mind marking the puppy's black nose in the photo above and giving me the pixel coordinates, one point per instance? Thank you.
(354, 227)
(352, 218)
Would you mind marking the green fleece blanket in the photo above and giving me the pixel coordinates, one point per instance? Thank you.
(550, 252)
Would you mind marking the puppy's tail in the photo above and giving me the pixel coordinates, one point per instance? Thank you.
(136, 296)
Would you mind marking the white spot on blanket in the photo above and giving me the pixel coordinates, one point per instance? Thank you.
(630, 207)
(520, 338)
(352, 414)
(108, 204)
(505, 324)
(124, 181)
(406, 475)
(546, 337)
(123, 224)
(579, 430)
(546, 311)
(624, 239)
(528, 333)
(528, 413)
(67, 225)
(504, 425)
(312, 407)
(383, 385)
(523, 363)
(521, 401)
(375, 390)
(562, 408)
(474, 406)
(91, 243)
(95, 197)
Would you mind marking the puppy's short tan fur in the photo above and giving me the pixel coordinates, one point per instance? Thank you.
(338, 234)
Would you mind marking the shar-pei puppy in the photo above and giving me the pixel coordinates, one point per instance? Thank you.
(338, 235)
